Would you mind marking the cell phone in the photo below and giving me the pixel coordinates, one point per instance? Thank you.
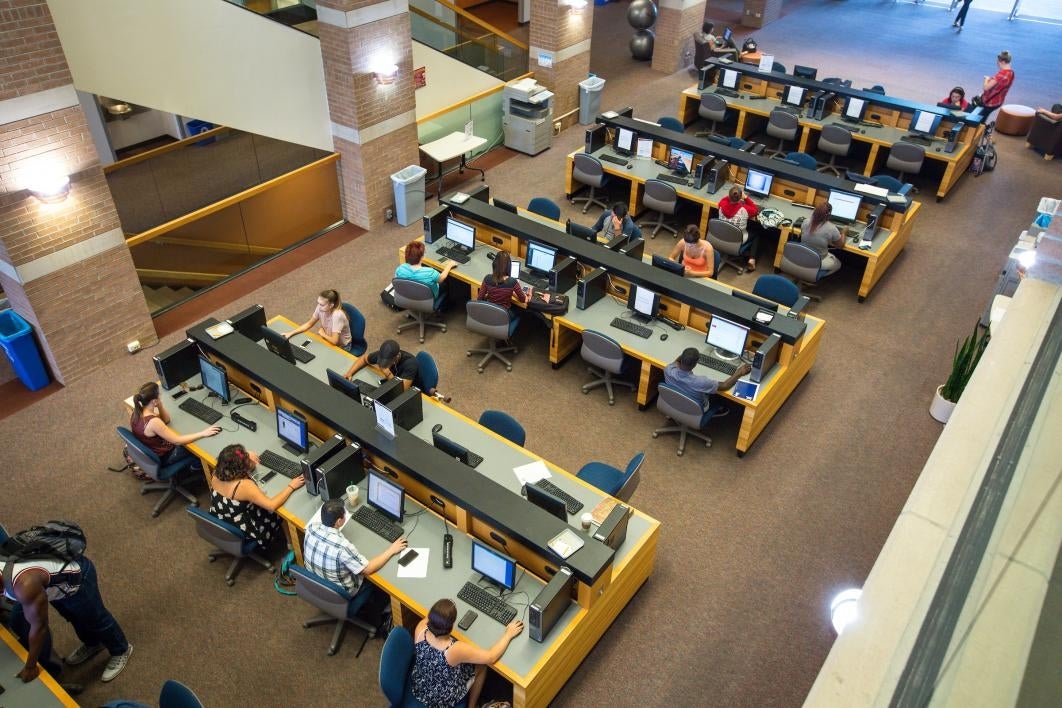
(468, 619)
(179, 394)
(267, 476)
(306, 343)
(407, 557)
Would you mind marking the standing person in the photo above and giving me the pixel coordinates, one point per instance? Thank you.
(244, 505)
(698, 256)
(500, 287)
(995, 88)
(679, 374)
(335, 327)
(616, 221)
(737, 208)
(820, 235)
(960, 19)
(150, 421)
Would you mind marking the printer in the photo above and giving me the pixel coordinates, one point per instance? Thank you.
(527, 116)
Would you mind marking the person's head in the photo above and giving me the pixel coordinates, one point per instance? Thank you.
(957, 95)
(820, 215)
(328, 300)
(147, 393)
(414, 252)
(388, 354)
(441, 617)
(708, 27)
(234, 462)
(1003, 59)
(692, 234)
(502, 262)
(688, 358)
(619, 210)
(333, 513)
(735, 193)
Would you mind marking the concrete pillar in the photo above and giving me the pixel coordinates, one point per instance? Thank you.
(65, 266)
(373, 125)
(675, 25)
(563, 32)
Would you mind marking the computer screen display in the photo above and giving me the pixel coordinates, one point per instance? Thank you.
(505, 205)
(291, 428)
(728, 78)
(854, 108)
(845, 205)
(727, 337)
(625, 140)
(793, 96)
(540, 257)
(349, 388)
(728, 34)
(547, 502)
(681, 156)
(805, 72)
(757, 182)
(460, 233)
(514, 269)
(386, 496)
(214, 378)
(494, 566)
(645, 302)
(667, 264)
(925, 123)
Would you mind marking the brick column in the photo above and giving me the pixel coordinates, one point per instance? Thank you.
(373, 126)
(677, 21)
(563, 32)
(64, 267)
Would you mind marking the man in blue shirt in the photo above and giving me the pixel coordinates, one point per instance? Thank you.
(679, 374)
(617, 220)
(331, 555)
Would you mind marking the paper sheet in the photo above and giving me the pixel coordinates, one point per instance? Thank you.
(532, 472)
(566, 543)
(872, 189)
(418, 567)
(645, 147)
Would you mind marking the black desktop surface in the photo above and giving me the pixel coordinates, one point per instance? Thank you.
(491, 502)
(637, 272)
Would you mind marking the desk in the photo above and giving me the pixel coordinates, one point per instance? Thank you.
(41, 692)
(451, 147)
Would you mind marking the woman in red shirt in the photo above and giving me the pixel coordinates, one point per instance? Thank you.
(499, 287)
(737, 208)
(150, 423)
(956, 99)
(994, 91)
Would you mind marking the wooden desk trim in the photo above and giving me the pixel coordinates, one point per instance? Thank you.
(46, 678)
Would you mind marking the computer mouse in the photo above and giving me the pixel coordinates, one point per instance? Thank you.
(663, 337)
(630, 166)
(436, 428)
(491, 255)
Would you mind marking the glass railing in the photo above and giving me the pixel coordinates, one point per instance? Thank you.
(297, 14)
(462, 36)
(486, 112)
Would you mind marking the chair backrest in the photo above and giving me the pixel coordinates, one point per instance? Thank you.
(679, 406)
(221, 534)
(778, 67)
(632, 477)
(906, 157)
(601, 350)
(782, 124)
(487, 318)
(724, 236)
(835, 139)
(777, 288)
(801, 262)
(411, 295)
(175, 694)
(325, 595)
(396, 661)
(505, 425)
(544, 207)
(887, 181)
(587, 169)
(428, 377)
(876, 88)
(713, 107)
(358, 345)
(145, 459)
(803, 159)
(3, 534)
(660, 196)
(671, 123)
(738, 143)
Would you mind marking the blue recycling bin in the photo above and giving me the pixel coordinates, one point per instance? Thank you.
(16, 337)
(196, 126)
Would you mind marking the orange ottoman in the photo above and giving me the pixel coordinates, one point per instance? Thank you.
(1015, 119)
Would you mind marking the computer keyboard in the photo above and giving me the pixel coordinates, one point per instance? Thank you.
(614, 160)
(727, 92)
(289, 468)
(573, 505)
(720, 365)
(534, 281)
(301, 355)
(200, 410)
(377, 523)
(454, 255)
(917, 139)
(665, 177)
(631, 328)
(491, 606)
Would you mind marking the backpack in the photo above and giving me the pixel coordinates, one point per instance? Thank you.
(56, 540)
(387, 295)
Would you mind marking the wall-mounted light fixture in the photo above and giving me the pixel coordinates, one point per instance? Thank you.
(385, 72)
(50, 189)
(575, 6)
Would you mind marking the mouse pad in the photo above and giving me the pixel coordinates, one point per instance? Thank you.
(745, 390)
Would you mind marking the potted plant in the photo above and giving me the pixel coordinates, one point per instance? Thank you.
(967, 354)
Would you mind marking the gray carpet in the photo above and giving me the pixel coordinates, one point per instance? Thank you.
(751, 550)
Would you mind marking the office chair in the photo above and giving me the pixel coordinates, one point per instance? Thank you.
(662, 198)
(834, 141)
(396, 668)
(727, 239)
(175, 694)
(166, 477)
(335, 603)
(906, 158)
(671, 123)
(738, 143)
(777, 288)
(713, 108)
(417, 300)
(803, 159)
(784, 126)
(887, 182)
(876, 88)
(544, 207)
(605, 356)
(587, 169)
(229, 541)
(358, 345)
(1046, 134)
(493, 321)
(3, 534)
(803, 264)
(778, 67)
(505, 425)
(687, 414)
(428, 376)
(847, 83)
(617, 483)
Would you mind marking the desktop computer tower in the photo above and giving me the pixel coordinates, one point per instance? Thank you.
(613, 530)
(953, 138)
(819, 102)
(563, 275)
(435, 224)
(590, 288)
(318, 456)
(339, 472)
(765, 358)
(407, 408)
(872, 223)
(706, 77)
(717, 175)
(634, 247)
(549, 605)
(387, 391)
(595, 139)
(249, 323)
(700, 172)
(178, 363)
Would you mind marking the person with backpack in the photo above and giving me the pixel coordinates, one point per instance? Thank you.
(46, 566)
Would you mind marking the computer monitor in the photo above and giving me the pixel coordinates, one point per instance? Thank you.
(448, 446)
(386, 496)
(729, 79)
(794, 96)
(680, 157)
(505, 205)
(214, 378)
(579, 231)
(496, 567)
(291, 428)
(546, 501)
(540, 258)
(349, 388)
(728, 35)
(644, 302)
(249, 323)
(925, 123)
(514, 268)
(633, 248)
(625, 141)
(845, 206)
(664, 263)
(854, 109)
(461, 233)
(757, 182)
(276, 343)
(805, 72)
(727, 337)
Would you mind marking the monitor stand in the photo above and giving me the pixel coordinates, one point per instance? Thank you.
(288, 447)
(485, 582)
(725, 355)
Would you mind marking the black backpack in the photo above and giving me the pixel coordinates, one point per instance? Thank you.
(56, 540)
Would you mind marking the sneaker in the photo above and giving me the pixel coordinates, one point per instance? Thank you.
(82, 654)
(116, 664)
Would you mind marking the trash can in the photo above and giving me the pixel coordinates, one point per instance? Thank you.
(196, 126)
(409, 194)
(16, 338)
(590, 98)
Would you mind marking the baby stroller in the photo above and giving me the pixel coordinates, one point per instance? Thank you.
(985, 155)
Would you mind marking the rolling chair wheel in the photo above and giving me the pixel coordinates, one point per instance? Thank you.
(211, 559)
(468, 353)
(612, 401)
(231, 582)
(331, 652)
(421, 340)
(442, 329)
(708, 444)
(479, 369)
(305, 625)
(398, 331)
(656, 435)
(679, 453)
(508, 368)
(154, 515)
(586, 391)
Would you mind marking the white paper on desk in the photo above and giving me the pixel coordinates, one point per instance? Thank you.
(418, 567)
(645, 147)
(766, 62)
(531, 472)
(872, 189)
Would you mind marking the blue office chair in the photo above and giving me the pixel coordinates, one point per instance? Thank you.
(670, 123)
(778, 67)
(396, 668)
(777, 288)
(738, 143)
(176, 695)
(229, 541)
(428, 376)
(544, 207)
(887, 182)
(620, 484)
(876, 88)
(689, 416)
(803, 159)
(505, 425)
(166, 477)
(358, 345)
(335, 603)
(3, 534)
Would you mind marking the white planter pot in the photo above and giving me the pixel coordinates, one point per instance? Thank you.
(940, 408)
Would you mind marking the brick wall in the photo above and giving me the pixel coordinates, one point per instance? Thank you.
(365, 173)
(31, 59)
(563, 79)
(555, 28)
(674, 30)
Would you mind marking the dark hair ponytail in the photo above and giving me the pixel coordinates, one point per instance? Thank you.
(147, 393)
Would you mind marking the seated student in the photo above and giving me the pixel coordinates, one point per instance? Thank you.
(394, 361)
(498, 287)
(335, 328)
(698, 256)
(445, 670)
(150, 420)
(718, 48)
(956, 100)
(679, 374)
(1054, 114)
(821, 235)
(737, 208)
(615, 221)
(236, 498)
(413, 270)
